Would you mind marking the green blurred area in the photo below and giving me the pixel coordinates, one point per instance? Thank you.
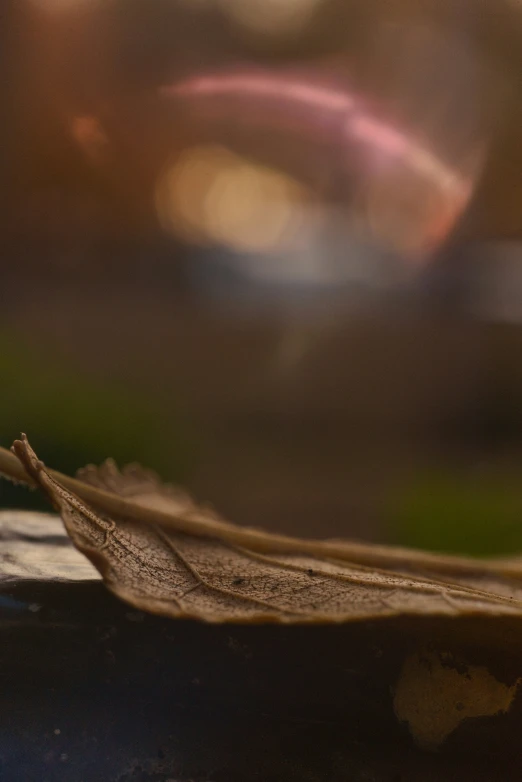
(73, 420)
(458, 514)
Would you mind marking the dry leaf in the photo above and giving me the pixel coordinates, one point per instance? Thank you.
(161, 553)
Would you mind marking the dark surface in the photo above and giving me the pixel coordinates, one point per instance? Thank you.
(93, 690)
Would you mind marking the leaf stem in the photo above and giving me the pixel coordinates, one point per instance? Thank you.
(10, 467)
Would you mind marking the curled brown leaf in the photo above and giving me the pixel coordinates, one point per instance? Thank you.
(161, 552)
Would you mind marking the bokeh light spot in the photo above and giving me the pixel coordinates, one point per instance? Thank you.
(213, 196)
(270, 17)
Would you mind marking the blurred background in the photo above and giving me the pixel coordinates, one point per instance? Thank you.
(272, 249)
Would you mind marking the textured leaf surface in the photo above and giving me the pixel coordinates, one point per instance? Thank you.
(161, 553)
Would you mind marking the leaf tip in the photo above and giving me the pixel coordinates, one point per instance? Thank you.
(23, 451)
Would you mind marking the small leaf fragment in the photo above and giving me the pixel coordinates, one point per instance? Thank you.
(435, 693)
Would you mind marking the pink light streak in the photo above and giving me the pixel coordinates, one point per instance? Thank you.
(354, 122)
(335, 111)
(271, 86)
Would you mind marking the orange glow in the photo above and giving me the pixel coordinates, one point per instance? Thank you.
(62, 6)
(406, 213)
(89, 135)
